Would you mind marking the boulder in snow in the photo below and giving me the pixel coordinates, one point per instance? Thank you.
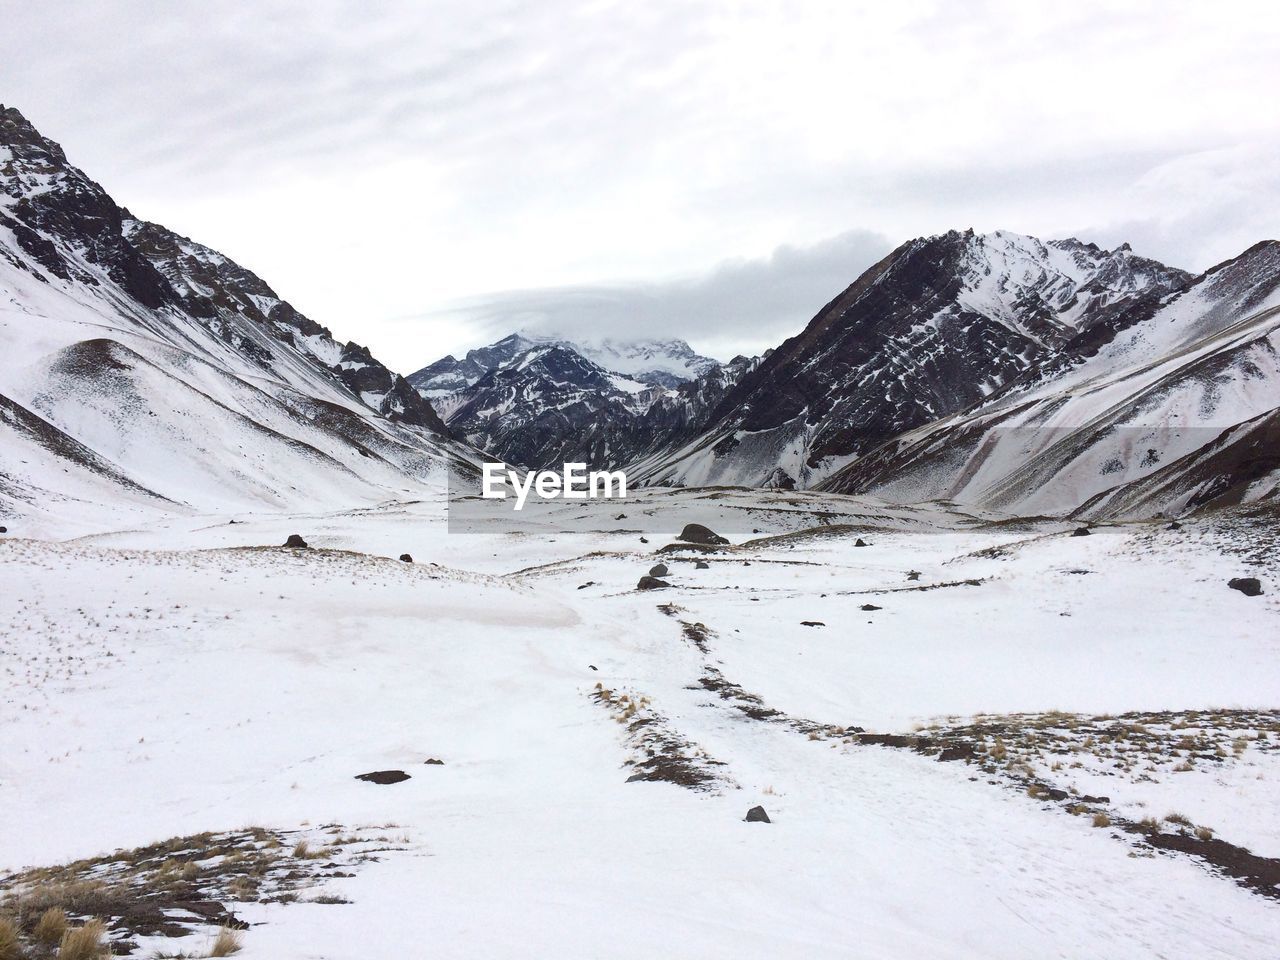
(651, 583)
(295, 541)
(697, 533)
(1249, 586)
(757, 815)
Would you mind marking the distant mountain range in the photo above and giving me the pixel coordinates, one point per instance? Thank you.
(143, 370)
(658, 363)
(539, 401)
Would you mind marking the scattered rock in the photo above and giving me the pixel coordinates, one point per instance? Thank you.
(621, 516)
(660, 570)
(756, 530)
(958, 751)
(651, 583)
(1174, 526)
(1249, 586)
(812, 623)
(871, 606)
(757, 815)
(593, 667)
(406, 558)
(702, 565)
(644, 540)
(697, 533)
(6, 529)
(433, 762)
(295, 541)
(913, 575)
(589, 583)
(383, 776)
(860, 543)
(1080, 532)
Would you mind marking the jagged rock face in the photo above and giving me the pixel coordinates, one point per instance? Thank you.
(450, 375)
(658, 363)
(1174, 412)
(142, 372)
(48, 198)
(549, 405)
(938, 325)
(68, 225)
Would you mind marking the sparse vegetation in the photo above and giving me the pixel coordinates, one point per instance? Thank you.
(227, 942)
(10, 943)
(84, 942)
(1100, 819)
(147, 891)
(50, 927)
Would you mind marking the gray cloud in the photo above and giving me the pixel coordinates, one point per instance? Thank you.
(742, 305)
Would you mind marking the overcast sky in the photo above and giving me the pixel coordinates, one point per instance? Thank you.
(426, 176)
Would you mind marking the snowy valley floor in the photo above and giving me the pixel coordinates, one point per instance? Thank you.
(982, 766)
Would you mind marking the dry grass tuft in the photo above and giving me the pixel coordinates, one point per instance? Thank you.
(1100, 819)
(10, 947)
(50, 927)
(226, 943)
(83, 943)
(302, 850)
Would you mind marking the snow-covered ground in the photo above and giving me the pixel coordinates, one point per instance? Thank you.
(188, 675)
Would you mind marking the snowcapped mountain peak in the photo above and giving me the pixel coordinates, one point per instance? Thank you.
(659, 363)
(938, 325)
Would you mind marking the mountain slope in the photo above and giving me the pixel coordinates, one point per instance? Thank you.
(936, 326)
(1176, 411)
(151, 364)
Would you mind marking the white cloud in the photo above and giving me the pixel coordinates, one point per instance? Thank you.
(376, 160)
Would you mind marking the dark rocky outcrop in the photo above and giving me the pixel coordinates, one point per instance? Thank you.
(757, 815)
(295, 541)
(697, 533)
(1249, 586)
(384, 777)
(651, 583)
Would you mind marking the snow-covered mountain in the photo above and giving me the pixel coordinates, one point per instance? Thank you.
(659, 363)
(1178, 410)
(937, 326)
(662, 363)
(141, 367)
(550, 405)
